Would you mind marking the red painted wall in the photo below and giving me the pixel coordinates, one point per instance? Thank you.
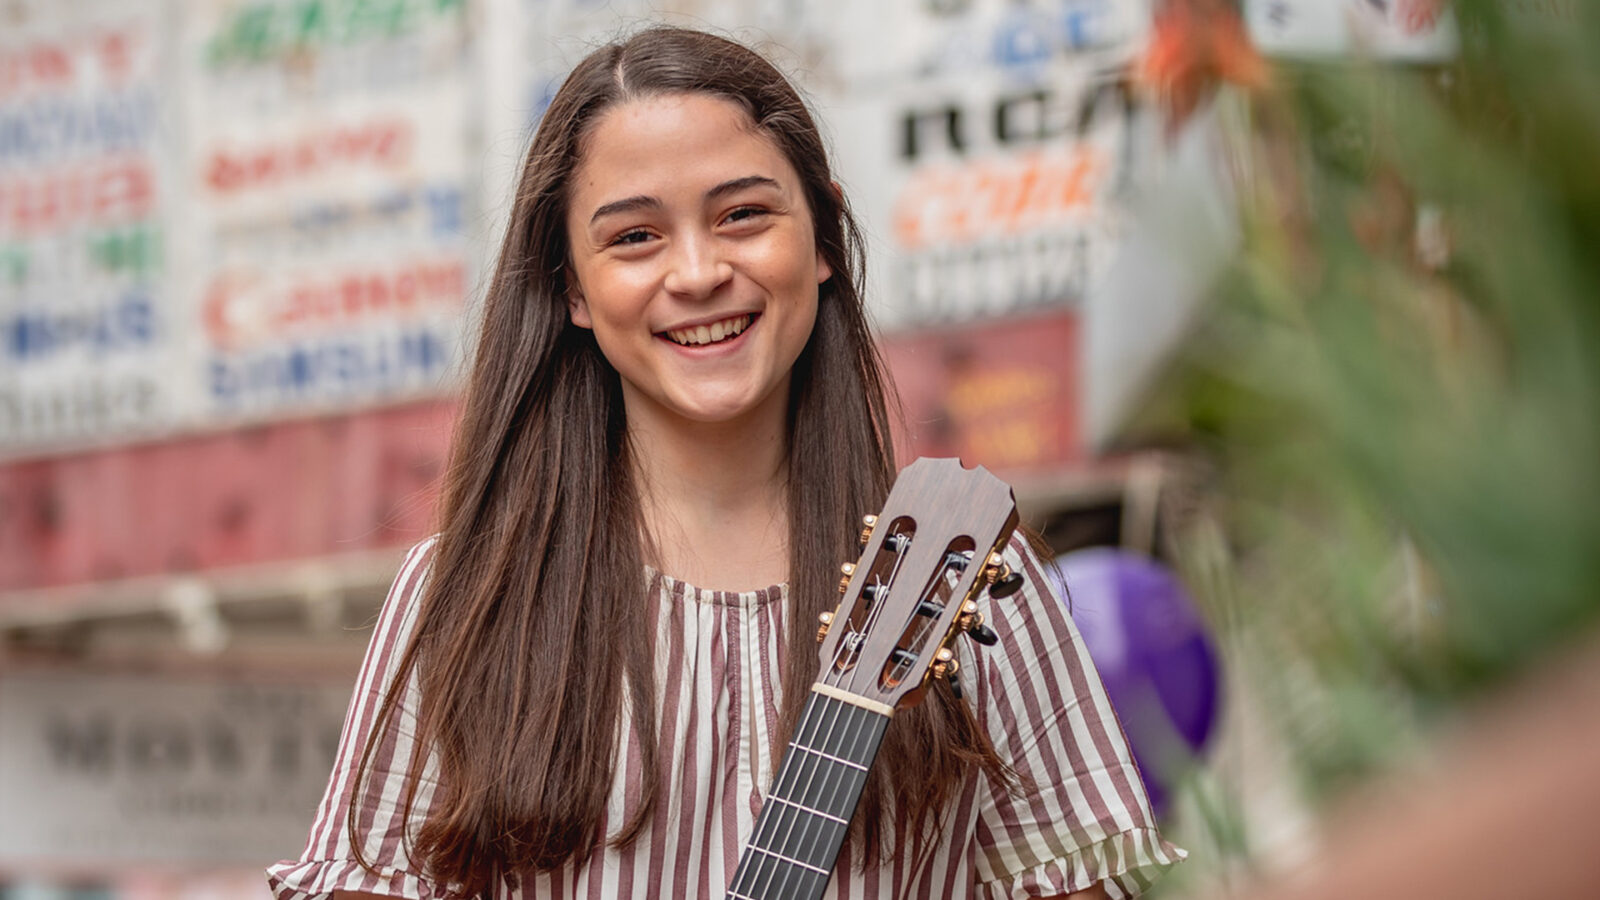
(305, 488)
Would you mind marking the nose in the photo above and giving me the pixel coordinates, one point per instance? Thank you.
(696, 266)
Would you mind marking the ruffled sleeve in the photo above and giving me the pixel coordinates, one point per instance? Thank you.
(329, 861)
(1083, 816)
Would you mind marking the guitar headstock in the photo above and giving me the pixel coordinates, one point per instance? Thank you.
(926, 556)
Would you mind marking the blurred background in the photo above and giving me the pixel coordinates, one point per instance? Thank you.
(1280, 315)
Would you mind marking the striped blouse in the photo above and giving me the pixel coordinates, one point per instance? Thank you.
(719, 657)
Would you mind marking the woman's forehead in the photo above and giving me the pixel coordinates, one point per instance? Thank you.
(672, 142)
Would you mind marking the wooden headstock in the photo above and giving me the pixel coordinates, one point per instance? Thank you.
(935, 545)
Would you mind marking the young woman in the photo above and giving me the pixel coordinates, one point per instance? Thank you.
(674, 423)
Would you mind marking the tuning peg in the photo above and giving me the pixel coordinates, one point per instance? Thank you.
(983, 634)
(849, 569)
(897, 542)
(955, 684)
(929, 608)
(1002, 581)
(827, 622)
(868, 522)
(957, 560)
(946, 667)
(1005, 585)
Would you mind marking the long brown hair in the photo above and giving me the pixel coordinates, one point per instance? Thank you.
(534, 624)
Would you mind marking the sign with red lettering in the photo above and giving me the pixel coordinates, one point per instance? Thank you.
(990, 164)
(87, 333)
(331, 172)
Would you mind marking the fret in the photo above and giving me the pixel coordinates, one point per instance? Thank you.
(828, 756)
(797, 862)
(797, 836)
(940, 519)
(814, 812)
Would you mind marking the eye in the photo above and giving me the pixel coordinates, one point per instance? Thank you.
(745, 214)
(635, 236)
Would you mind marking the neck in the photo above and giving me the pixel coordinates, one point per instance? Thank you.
(714, 496)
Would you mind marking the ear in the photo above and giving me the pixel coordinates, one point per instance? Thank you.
(825, 271)
(577, 306)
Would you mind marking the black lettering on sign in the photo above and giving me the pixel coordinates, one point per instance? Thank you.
(222, 747)
(160, 745)
(81, 746)
(1025, 118)
(283, 749)
(912, 123)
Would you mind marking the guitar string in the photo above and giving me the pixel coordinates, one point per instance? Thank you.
(765, 826)
(804, 843)
(794, 844)
(825, 732)
(847, 679)
(800, 847)
(836, 710)
(771, 817)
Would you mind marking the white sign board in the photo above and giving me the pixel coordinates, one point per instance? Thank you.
(87, 328)
(110, 769)
(1405, 30)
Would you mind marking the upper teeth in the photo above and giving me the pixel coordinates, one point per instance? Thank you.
(705, 334)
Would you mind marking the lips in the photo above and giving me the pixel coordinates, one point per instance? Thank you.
(709, 333)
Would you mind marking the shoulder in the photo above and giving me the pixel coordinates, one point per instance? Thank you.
(398, 616)
(412, 576)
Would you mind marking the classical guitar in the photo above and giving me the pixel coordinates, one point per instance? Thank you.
(925, 557)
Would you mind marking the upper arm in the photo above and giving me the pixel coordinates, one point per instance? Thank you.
(1083, 823)
(370, 801)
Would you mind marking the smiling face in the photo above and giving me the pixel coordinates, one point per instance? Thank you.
(693, 258)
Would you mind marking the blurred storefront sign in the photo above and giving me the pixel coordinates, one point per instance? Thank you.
(1003, 395)
(101, 770)
(331, 169)
(1410, 30)
(88, 326)
(214, 213)
(990, 168)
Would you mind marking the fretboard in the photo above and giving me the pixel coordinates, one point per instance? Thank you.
(797, 837)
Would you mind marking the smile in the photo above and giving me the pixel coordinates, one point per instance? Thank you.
(700, 335)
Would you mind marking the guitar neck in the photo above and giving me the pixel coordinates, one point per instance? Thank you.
(797, 837)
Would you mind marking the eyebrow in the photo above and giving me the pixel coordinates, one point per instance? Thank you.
(731, 186)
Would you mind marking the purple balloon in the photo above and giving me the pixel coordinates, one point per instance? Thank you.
(1154, 655)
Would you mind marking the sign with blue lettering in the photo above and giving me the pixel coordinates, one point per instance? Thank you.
(214, 212)
(329, 181)
(88, 336)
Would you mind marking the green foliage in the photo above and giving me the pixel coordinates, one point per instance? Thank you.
(1400, 382)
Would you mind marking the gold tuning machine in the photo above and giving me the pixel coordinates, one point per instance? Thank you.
(868, 522)
(827, 622)
(1002, 581)
(946, 666)
(849, 570)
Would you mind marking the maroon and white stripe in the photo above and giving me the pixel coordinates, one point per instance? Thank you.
(718, 658)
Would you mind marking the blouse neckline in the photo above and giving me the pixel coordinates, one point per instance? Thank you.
(683, 590)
